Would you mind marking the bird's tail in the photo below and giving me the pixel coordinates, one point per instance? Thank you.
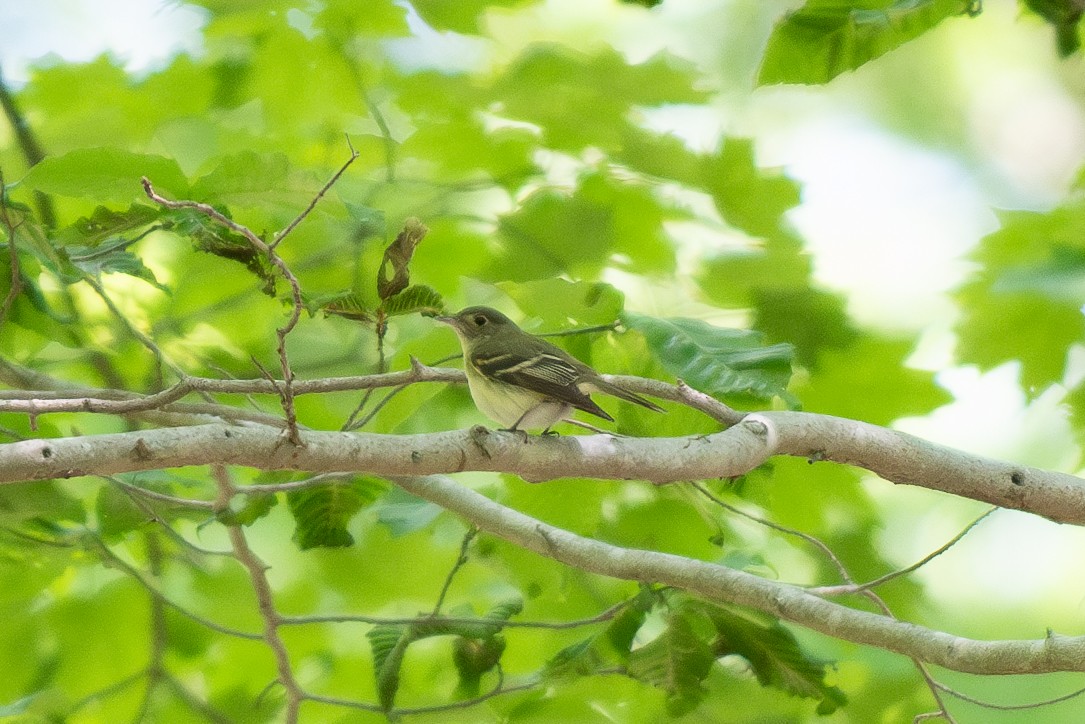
(620, 392)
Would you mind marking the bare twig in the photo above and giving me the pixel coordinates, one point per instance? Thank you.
(461, 560)
(858, 588)
(316, 199)
(265, 599)
(286, 391)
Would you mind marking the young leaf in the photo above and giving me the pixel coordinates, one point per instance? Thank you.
(251, 510)
(827, 37)
(394, 274)
(104, 223)
(106, 174)
(473, 658)
(716, 360)
(345, 304)
(677, 661)
(773, 654)
(389, 643)
(417, 298)
(321, 513)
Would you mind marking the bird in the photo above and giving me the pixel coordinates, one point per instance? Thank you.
(523, 382)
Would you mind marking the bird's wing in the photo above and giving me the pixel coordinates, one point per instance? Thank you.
(548, 374)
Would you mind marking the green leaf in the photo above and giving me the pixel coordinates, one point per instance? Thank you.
(389, 644)
(248, 512)
(473, 658)
(1023, 303)
(717, 360)
(112, 261)
(117, 514)
(322, 513)
(828, 37)
(394, 274)
(869, 381)
(773, 653)
(403, 513)
(558, 301)
(105, 223)
(598, 93)
(342, 304)
(246, 178)
(106, 174)
(603, 223)
(413, 299)
(748, 197)
(677, 661)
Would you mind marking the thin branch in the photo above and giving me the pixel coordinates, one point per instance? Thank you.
(286, 392)
(858, 588)
(606, 615)
(123, 565)
(461, 561)
(1011, 707)
(265, 598)
(316, 199)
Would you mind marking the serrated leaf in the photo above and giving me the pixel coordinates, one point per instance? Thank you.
(322, 513)
(112, 261)
(106, 174)
(828, 37)
(389, 643)
(243, 178)
(104, 223)
(417, 298)
(677, 661)
(773, 653)
(716, 360)
(344, 304)
(394, 274)
(473, 658)
(251, 510)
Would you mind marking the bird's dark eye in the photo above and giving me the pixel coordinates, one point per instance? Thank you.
(480, 320)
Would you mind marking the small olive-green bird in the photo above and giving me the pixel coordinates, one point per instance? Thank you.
(524, 382)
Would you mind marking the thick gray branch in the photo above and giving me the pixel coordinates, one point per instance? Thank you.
(895, 456)
(719, 583)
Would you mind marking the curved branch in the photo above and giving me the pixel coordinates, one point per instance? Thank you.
(715, 582)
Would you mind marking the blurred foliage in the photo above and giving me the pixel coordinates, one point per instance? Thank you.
(539, 185)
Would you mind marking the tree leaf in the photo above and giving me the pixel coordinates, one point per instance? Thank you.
(417, 298)
(321, 513)
(105, 223)
(389, 643)
(677, 661)
(773, 653)
(106, 174)
(394, 274)
(828, 37)
(717, 360)
(343, 304)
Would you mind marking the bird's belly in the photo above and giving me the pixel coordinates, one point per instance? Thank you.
(509, 405)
